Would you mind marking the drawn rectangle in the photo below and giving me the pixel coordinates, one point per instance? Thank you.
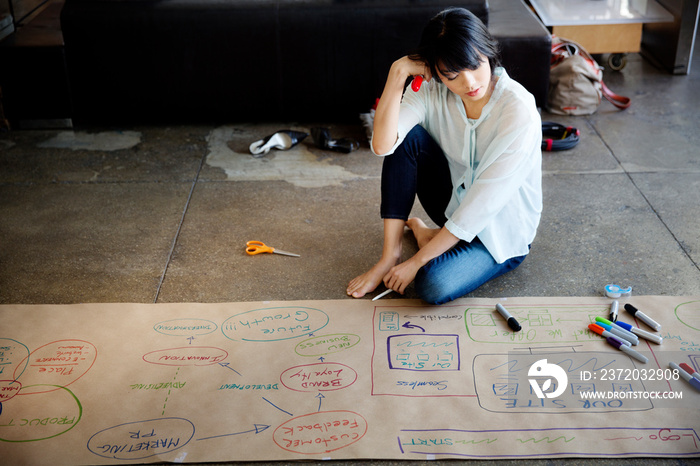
(502, 383)
(423, 352)
(540, 324)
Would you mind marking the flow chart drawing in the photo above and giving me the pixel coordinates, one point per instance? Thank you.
(346, 379)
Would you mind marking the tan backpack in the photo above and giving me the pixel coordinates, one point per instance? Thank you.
(576, 81)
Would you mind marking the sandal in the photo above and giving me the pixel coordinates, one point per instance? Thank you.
(281, 140)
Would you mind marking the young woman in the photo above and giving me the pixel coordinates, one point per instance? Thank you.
(468, 144)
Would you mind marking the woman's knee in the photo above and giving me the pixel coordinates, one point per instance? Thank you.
(447, 278)
(418, 133)
(434, 290)
(417, 140)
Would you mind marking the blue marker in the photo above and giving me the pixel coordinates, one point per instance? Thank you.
(619, 326)
(622, 331)
(639, 332)
(604, 333)
(618, 332)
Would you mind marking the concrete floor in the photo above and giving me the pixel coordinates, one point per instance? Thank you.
(162, 214)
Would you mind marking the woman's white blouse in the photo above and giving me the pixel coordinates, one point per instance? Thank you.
(495, 162)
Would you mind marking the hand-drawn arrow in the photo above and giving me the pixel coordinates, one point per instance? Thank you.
(410, 325)
(286, 412)
(190, 338)
(320, 399)
(258, 428)
(321, 359)
(225, 364)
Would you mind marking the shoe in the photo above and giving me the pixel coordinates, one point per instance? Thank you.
(281, 140)
(322, 139)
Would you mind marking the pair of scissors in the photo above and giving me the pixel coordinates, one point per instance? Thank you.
(258, 247)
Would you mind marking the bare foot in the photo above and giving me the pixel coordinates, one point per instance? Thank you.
(368, 281)
(391, 255)
(421, 231)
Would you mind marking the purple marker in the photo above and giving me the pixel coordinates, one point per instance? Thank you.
(626, 349)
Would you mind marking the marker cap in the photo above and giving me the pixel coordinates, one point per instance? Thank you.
(690, 370)
(514, 325)
(512, 322)
(615, 342)
(613, 310)
(624, 325)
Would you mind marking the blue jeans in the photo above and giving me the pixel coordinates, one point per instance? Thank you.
(418, 167)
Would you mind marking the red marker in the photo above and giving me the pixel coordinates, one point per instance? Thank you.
(417, 81)
(684, 375)
(690, 370)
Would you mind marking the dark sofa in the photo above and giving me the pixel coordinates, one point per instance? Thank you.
(174, 61)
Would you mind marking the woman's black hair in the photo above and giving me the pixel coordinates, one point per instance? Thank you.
(454, 38)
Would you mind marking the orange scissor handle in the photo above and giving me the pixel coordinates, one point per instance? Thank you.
(257, 247)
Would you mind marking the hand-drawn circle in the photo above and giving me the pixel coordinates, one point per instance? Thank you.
(689, 314)
(274, 324)
(48, 365)
(318, 377)
(185, 327)
(142, 439)
(7, 350)
(326, 344)
(9, 389)
(25, 420)
(186, 356)
(321, 432)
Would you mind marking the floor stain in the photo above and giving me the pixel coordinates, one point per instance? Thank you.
(103, 141)
(297, 165)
